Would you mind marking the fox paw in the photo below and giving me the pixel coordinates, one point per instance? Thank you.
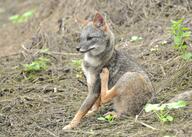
(71, 125)
(93, 110)
(90, 113)
(67, 127)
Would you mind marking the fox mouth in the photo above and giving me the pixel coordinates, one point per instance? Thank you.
(84, 51)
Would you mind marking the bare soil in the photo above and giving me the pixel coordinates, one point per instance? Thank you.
(40, 104)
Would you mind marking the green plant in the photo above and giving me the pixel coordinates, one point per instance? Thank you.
(44, 50)
(76, 63)
(21, 18)
(37, 65)
(135, 38)
(108, 118)
(162, 111)
(187, 56)
(180, 34)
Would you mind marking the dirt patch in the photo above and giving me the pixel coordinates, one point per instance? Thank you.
(13, 35)
(42, 103)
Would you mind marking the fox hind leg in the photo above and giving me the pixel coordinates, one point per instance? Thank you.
(106, 94)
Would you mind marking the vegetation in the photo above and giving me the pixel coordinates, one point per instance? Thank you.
(76, 63)
(108, 118)
(180, 34)
(162, 111)
(40, 103)
(21, 18)
(135, 38)
(37, 65)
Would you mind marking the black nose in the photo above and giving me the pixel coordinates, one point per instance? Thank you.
(77, 48)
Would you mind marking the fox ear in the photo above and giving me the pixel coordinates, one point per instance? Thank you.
(98, 20)
(81, 21)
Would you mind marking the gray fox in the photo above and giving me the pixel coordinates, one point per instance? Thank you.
(103, 66)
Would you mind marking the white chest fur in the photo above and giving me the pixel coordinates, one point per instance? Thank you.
(92, 61)
(90, 76)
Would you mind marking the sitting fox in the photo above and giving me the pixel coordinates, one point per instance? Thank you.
(103, 66)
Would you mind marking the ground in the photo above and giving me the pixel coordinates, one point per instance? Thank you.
(41, 103)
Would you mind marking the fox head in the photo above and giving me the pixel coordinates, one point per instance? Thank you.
(95, 37)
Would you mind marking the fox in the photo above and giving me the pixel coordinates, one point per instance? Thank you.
(111, 74)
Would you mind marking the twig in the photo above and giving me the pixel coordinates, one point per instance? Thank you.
(23, 46)
(163, 70)
(50, 52)
(46, 130)
(144, 124)
(79, 131)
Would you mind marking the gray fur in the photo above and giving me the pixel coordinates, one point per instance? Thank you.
(99, 51)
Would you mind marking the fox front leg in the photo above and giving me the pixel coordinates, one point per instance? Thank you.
(95, 107)
(94, 93)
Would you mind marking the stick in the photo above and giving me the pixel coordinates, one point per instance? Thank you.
(46, 130)
(79, 131)
(144, 124)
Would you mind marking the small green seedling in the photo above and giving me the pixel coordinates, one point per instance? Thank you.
(155, 48)
(180, 34)
(76, 63)
(162, 111)
(187, 56)
(108, 118)
(135, 38)
(37, 65)
(44, 50)
(21, 18)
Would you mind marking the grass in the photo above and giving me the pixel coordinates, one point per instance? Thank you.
(181, 34)
(108, 118)
(76, 64)
(136, 38)
(162, 111)
(37, 65)
(21, 18)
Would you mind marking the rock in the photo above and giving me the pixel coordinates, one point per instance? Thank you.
(186, 95)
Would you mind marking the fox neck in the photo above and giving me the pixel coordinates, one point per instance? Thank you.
(96, 61)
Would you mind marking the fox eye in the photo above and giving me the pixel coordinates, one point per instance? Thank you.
(89, 38)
